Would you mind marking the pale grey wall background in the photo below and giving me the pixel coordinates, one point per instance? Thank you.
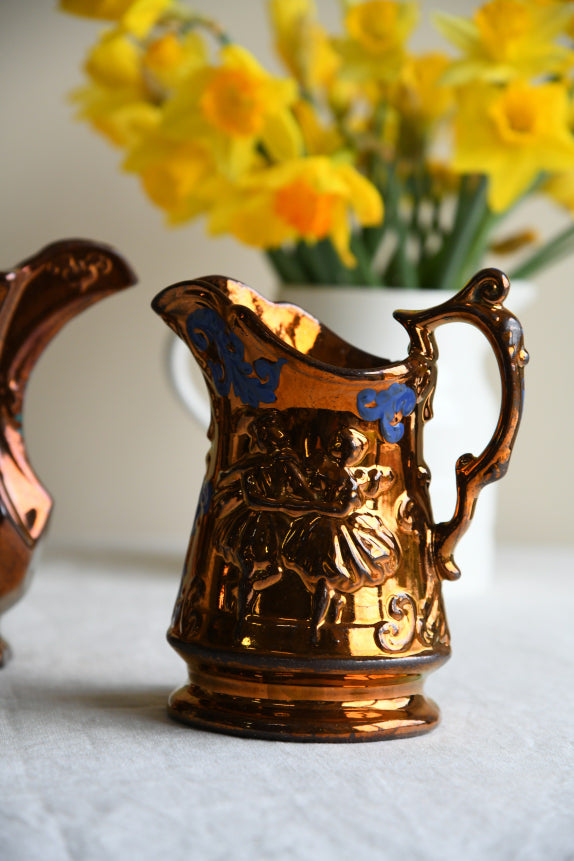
(104, 431)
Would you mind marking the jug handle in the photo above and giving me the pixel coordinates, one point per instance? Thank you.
(481, 304)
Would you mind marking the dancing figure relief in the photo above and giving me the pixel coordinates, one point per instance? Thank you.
(299, 501)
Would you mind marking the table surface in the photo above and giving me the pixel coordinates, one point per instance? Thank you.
(92, 768)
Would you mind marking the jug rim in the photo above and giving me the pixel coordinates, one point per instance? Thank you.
(217, 284)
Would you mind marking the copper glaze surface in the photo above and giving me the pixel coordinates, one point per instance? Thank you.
(37, 298)
(310, 605)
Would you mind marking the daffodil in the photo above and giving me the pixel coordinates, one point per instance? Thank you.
(104, 10)
(119, 115)
(318, 137)
(116, 101)
(175, 175)
(420, 92)
(234, 108)
(170, 58)
(115, 62)
(507, 39)
(512, 135)
(302, 43)
(299, 164)
(141, 16)
(135, 16)
(377, 30)
(417, 101)
(303, 199)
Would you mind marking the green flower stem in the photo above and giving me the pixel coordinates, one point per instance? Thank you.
(553, 251)
(373, 236)
(364, 269)
(400, 270)
(339, 273)
(480, 245)
(286, 266)
(461, 253)
(485, 230)
(469, 227)
(436, 223)
(316, 259)
(188, 20)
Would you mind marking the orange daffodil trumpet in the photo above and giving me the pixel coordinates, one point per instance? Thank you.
(305, 199)
(238, 109)
(365, 162)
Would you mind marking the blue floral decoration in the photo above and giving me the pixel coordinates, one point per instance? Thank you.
(398, 399)
(253, 384)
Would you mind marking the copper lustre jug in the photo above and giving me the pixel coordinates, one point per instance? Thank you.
(310, 605)
(37, 297)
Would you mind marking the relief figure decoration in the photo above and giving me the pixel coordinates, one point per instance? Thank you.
(296, 501)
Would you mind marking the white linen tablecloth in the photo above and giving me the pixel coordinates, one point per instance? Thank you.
(93, 769)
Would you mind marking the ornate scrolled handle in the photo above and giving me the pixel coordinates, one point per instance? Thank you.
(481, 304)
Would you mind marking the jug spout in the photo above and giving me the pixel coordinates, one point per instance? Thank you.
(229, 315)
(200, 315)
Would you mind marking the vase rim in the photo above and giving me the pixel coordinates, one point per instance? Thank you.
(517, 283)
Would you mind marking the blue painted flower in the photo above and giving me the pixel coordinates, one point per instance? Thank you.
(390, 406)
(253, 384)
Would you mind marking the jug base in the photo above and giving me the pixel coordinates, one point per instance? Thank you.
(304, 705)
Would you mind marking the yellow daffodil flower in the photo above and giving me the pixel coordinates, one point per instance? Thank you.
(170, 58)
(512, 135)
(233, 108)
(135, 16)
(175, 174)
(416, 102)
(117, 102)
(278, 161)
(380, 25)
(309, 199)
(318, 138)
(377, 30)
(119, 115)
(115, 61)
(302, 43)
(420, 92)
(142, 15)
(507, 39)
(104, 10)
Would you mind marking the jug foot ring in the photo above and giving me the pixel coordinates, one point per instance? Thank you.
(399, 712)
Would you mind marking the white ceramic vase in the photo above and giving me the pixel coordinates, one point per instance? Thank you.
(466, 403)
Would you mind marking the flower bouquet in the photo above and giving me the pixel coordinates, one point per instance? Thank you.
(365, 163)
